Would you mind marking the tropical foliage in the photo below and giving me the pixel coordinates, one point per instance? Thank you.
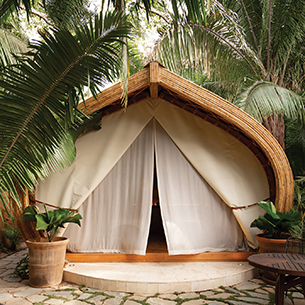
(50, 221)
(40, 91)
(40, 94)
(274, 223)
(252, 51)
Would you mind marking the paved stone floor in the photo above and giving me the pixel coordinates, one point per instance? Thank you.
(15, 291)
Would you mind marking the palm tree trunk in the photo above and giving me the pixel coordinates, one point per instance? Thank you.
(275, 124)
(27, 229)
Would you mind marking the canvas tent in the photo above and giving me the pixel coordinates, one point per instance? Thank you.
(212, 164)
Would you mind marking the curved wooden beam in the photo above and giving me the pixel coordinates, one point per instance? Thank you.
(154, 78)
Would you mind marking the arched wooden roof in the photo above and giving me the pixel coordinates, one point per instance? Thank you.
(155, 81)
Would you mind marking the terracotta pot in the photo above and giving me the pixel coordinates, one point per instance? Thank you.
(46, 261)
(270, 245)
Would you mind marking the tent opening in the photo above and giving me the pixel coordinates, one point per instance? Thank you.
(152, 193)
(156, 238)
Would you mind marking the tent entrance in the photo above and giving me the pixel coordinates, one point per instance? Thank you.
(118, 213)
(156, 239)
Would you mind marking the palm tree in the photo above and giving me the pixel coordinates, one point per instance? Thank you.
(39, 98)
(251, 48)
(39, 94)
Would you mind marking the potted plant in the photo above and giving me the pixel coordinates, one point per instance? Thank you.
(47, 254)
(276, 227)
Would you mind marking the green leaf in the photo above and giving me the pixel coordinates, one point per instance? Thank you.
(42, 222)
(30, 213)
(269, 208)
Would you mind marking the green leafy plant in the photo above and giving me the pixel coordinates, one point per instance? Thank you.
(12, 234)
(10, 230)
(50, 221)
(22, 268)
(274, 224)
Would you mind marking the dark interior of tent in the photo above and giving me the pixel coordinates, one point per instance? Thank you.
(156, 239)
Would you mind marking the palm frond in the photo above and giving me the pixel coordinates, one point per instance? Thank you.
(218, 49)
(265, 98)
(10, 45)
(66, 13)
(9, 6)
(39, 96)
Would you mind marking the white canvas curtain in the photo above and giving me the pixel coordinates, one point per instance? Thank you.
(195, 218)
(227, 165)
(116, 216)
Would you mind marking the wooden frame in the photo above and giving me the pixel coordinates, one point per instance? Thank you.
(156, 257)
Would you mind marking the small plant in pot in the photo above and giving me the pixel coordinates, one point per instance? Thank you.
(47, 255)
(276, 227)
(274, 224)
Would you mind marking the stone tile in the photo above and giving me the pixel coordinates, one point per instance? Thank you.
(254, 300)
(170, 296)
(25, 283)
(113, 301)
(232, 290)
(215, 303)
(12, 278)
(298, 295)
(65, 285)
(10, 284)
(6, 273)
(117, 294)
(288, 301)
(220, 296)
(13, 290)
(75, 302)
(157, 301)
(257, 281)
(17, 301)
(238, 303)
(263, 291)
(130, 302)
(61, 294)
(27, 292)
(138, 297)
(85, 296)
(88, 289)
(4, 297)
(98, 298)
(194, 302)
(247, 286)
(258, 295)
(299, 302)
(36, 298)
(207, 293)
(192, 295)
(270, 289)
(54, 301)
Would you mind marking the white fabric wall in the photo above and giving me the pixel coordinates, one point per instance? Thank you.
(194, 217)
(226, 165)
(116, 215)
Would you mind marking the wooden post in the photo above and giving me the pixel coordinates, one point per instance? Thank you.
(154, 79)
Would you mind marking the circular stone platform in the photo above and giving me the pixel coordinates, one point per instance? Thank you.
(151, 278)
